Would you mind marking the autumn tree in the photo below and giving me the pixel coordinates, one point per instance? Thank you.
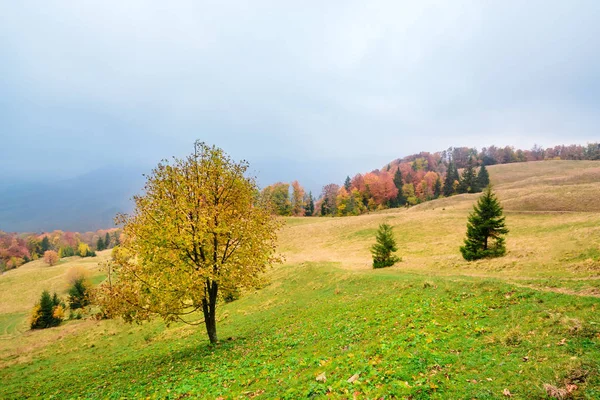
(279, 195)
(486, 229)
(385, 247)
(329, 197)
(297, 199)
(198, 232)
(50, 257)
(83, 250)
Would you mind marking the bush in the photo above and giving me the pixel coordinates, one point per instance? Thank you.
(231, 295)
(383, 249)
(47, 313)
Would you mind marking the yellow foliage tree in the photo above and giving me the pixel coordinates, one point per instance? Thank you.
(198, 232)
(83, 249)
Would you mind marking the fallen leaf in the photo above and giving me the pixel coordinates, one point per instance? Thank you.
(352, 378)
(507, 393)
(571, 388)
(555, 392)
(321, 378)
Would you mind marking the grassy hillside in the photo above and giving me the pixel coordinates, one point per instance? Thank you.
(434, 326)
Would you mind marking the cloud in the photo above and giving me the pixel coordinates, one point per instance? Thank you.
(87, 84)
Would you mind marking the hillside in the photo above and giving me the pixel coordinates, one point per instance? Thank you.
(434, 326)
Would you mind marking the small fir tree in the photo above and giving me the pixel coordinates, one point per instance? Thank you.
(116, 240)
(106, 241)
(309, 205)
(451, 177)
(99, 245)
(383, 250)
(47, 313)
(469, 182)
(483, 178)
(348, 184)
(78, 294)
(485, 229)
(45, 244)
(437, 188)
(400, 200)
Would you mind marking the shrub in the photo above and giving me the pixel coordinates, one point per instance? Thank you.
(47, 313)
(231, 295)
(66, 251)
(383, 250)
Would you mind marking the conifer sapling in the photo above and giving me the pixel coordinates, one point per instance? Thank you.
(383, 250)
(485, 229)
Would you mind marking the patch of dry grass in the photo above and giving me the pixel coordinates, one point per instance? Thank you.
(550, 226)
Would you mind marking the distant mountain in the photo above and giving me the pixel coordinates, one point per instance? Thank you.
(85, 203)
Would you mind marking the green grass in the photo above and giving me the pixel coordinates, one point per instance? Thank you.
(12, 323)
(465, 338)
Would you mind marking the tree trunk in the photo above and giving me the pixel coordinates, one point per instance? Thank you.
(209, 307)
(485, 243)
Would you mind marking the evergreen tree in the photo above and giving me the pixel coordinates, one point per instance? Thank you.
(78, 294)
(468, 182)
(383, 250)
(45, 245)
(309, 205)
(485, 229)
(451, 177)
(107, 241)
(437, 189)
(116, 239)
(325, 209)
(44, 313)
(400, 200)
(483, 178)
(348, 184)
(99, 245)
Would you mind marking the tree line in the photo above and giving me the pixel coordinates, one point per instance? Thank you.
(17, 249)
(413, 179)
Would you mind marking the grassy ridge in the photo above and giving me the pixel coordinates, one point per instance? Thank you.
(434, 326)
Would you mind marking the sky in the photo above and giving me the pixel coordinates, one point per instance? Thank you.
(307, 90)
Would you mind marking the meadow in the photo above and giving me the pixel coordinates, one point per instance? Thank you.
(327, 325)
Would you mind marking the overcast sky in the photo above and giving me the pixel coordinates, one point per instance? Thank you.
(308, 90)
